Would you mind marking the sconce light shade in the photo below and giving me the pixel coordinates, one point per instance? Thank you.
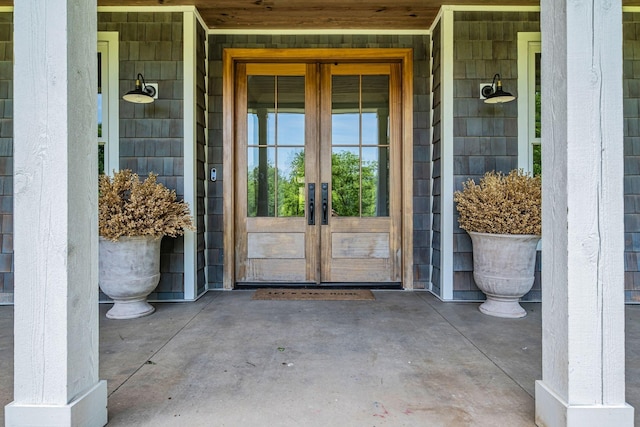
(498, 96)
(142, 94)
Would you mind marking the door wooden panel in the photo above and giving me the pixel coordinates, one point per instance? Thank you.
(360, 245)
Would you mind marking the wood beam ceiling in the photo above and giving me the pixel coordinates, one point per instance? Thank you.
(318, 14)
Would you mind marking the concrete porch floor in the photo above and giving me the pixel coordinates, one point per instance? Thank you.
(405, 359)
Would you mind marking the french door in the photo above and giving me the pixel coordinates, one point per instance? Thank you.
(317, 173)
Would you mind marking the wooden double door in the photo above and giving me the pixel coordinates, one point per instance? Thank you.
(318, 173)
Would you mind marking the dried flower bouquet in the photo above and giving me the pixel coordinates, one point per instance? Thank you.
(501, 204)
(130, 207)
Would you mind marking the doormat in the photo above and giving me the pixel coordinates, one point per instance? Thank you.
(314, 294)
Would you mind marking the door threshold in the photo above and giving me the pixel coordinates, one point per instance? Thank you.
(347, 285)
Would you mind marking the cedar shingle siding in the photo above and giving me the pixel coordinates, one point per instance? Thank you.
(151, 135)
(631, 99)
(436, 183)
(485, 135)
(6, 157)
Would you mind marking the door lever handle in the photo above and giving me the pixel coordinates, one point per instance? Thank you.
(325, 203)
(311, 215)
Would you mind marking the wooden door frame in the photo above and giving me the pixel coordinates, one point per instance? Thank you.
(231, 56)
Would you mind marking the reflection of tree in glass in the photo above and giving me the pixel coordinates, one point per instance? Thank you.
(537, 154)
(345, 195)
(290, 190)
(346, 183)
(537, 159)
(291, 197)
(101, 160)
(256, 198)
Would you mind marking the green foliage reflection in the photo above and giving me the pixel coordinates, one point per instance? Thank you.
(348, 176)
(346, 182)
(261, 200)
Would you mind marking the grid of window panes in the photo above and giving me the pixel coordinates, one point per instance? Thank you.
(275, 146)
(360, 145)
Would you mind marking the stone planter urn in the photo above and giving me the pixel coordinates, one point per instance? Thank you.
(503, 268)
(129, 270)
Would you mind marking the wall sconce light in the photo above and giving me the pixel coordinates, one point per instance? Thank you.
(142, 94)
(497, 96)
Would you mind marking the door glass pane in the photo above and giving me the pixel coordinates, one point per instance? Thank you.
(360, 145)
(261, 106)
(290, 110)
(375, 181)
(538, 91)
(291, 195)
(345, 117)
(345, 181)
(275, 146)
(261, 181)
(537, 158)
(375, 110)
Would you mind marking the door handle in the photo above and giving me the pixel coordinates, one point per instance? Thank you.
(325, 203)
(311, 216)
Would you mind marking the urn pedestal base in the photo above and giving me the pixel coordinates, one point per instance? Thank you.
(129, 270)
(130, 309)
(503, 307)
(503, 268)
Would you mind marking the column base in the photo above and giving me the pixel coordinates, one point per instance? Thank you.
(552, 411)
(89, 410)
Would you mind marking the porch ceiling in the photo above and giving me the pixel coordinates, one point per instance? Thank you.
(316, 14)
(319, 14)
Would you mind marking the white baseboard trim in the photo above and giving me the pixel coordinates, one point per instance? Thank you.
(88, 410)
(553, 411)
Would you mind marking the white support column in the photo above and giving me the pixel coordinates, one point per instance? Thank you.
(446, 155)
(55, 217)
(190, 38)
(583, 363)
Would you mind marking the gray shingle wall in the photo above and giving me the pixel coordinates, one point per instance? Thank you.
(485, 135)
(631, 99)
(436, 36)
(421, 165)
(6, 157)
(151, 135)
(201, 142)
(214, 252)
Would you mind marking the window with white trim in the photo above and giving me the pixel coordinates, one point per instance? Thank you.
(529, 103)
(103, 103)
(107, 85)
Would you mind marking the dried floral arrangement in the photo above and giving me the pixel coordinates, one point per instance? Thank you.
(501, 204)
(130, 207)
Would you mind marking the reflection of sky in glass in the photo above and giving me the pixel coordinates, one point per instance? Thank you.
(252, 129)
(369, 129)
(346, 127)
(271, 128)
(290, 129)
